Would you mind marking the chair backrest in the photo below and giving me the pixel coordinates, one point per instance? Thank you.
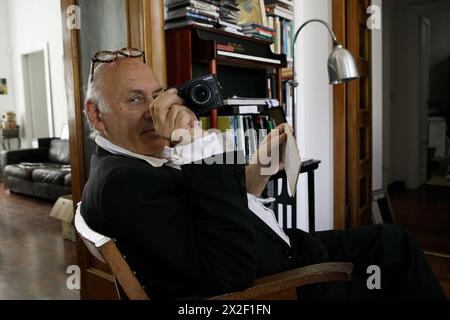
(105, 250)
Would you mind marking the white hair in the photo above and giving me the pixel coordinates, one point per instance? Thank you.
(94, 94)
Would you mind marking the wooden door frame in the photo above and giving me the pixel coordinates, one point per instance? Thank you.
(339, 125)
(343, 133)
(145, 30)
(73, 97)
(74, 117)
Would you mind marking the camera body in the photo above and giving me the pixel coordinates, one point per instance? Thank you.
(201, 94)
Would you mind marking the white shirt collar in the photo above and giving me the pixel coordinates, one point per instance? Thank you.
(117, 150)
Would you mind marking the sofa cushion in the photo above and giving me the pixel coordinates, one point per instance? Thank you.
(50, 191)
(20, 185)
(52, 165)
(68, 180)
(49, 175)
(59, 151)
(18, 171)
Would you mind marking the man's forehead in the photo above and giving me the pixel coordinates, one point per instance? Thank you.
(126, 71)
(125, 66)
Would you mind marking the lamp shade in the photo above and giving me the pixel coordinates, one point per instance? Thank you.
(341, 66)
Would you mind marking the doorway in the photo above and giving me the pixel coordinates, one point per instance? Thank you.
(38, 101)
(415, 36)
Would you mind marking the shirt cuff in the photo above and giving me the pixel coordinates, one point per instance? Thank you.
(203, 148)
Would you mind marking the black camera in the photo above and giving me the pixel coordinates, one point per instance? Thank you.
(201, 94)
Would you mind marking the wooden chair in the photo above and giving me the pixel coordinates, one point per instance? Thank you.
(280, 286)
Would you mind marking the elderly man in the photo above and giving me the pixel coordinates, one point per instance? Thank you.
(188, 225)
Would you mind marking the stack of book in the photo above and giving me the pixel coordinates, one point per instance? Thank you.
(281, 8)
(181, 13)
(272, 84)
(248, 130)
(258, 31)
(229, 16)
(280, 14)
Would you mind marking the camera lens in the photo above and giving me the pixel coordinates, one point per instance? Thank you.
(201, 94)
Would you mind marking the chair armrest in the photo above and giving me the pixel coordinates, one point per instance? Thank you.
(24, 155)
(318, 273)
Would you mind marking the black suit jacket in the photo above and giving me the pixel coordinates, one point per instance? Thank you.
(183, 232)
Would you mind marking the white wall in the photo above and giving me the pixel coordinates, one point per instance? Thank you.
(6, 101)
(405, 106)
(314, 110)
(36, 25)
(377, 105)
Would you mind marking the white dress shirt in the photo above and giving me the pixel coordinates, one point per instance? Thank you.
(202, 148)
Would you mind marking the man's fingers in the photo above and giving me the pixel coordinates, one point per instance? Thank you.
(278, 140)
(290, 128)
(278, 131)
(283, 127)
(180, 116)
(283, 139)
(160, 107)
(169, 96)
(172, 114)
(183, 120)
(275, 142)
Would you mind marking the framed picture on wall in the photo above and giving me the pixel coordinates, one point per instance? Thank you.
(3, 87)
(252, 11)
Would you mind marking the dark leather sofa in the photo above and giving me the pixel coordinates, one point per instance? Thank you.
(43, 172)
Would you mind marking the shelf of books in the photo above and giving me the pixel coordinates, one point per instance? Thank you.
(249, 120)
(280, 17)
(248, 45)
(225, 15)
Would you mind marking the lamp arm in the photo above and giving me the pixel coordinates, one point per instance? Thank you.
(294, 83)
(326, 24)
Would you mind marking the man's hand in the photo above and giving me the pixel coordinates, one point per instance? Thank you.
(174, 121)
(267, 160)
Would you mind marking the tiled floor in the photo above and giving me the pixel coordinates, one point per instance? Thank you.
(33, 255)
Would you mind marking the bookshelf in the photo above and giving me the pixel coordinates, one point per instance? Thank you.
(280, 17)
(194, 51)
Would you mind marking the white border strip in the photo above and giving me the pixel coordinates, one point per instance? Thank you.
(247, 57)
